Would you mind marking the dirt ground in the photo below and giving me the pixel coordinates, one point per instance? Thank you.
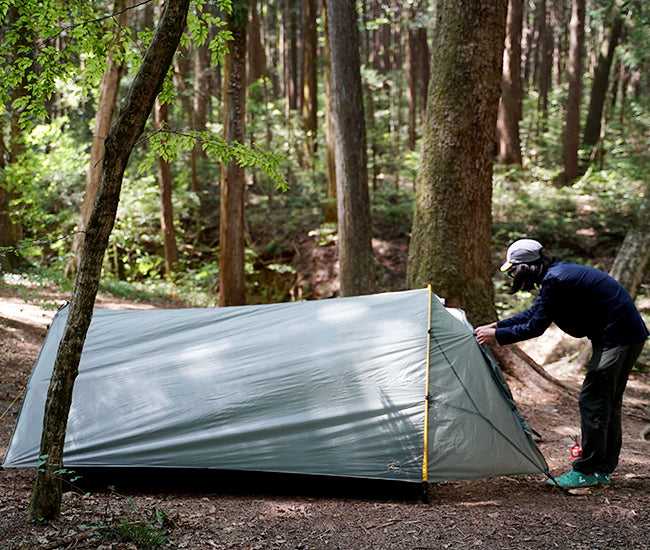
(292, 512)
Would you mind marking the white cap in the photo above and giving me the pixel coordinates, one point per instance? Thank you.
(521, 252)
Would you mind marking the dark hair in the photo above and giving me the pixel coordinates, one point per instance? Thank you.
(527, 276)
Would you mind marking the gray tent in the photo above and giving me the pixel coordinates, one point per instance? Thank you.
(334, 387)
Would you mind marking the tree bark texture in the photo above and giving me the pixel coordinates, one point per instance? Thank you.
(574, 77)
(166, 208)
(600, 84)
(232, 291)
(633, 258)
(108, 91)
(511, 88)
(310, 80)
(129, 125)
(330, 211)
(412, 59)
(9, 257)
(423, 70)
(256, 67)
(544, 69)
(202, 176)
(357, 269)
(451, 236)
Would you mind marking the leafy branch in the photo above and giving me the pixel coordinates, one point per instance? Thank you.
(168, 144)
(42, 48)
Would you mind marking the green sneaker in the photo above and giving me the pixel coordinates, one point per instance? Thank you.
(575, 479)
(603, 478)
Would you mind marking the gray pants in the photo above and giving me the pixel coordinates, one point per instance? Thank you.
(601, 400)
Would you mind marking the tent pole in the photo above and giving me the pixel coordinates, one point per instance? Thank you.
(425, 454)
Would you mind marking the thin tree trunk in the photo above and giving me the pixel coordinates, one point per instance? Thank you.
(542, 61)
(368, 58)
(330, 213)
(46, 498)
(600, 83)
(412, 58)
(545, 76)
(166, 208)
(108, 91)
(357, 270)
(511, 91)
(203, 179)
(9, 256)
(256, 59)
(292, 54)
(452, 225)
(574, 73)
(232, 290)
(310, 81)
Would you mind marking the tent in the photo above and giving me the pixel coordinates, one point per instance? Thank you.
(389, 386)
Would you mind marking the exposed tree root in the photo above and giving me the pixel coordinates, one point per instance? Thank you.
(518, 364)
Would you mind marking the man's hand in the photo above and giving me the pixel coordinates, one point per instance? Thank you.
(485, 334)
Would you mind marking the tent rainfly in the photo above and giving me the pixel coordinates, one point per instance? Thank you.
(389, 386)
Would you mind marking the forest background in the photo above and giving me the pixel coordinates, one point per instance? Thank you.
(170, 241)
(228, 197)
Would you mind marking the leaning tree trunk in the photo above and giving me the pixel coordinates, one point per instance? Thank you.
(633, 258)
(46, 497)
(452, 225)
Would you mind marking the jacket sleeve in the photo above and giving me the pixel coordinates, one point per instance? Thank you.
(529, 323)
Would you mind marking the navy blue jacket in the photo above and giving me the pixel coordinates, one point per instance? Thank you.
(582, 301)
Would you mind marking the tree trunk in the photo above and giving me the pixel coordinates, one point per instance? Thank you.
(601, 82)
(633, 258)
(166, 209)
(511, 91)
(291, 55)
(108, 91)
(412, 59)
(368, 58)
(46, 497)
(541, 60)
(256, 59)
(11, 229)
(9, 256)
(357, 270)
(330, 214)
(232, 290)
(309, 82)
(574, 74)
(202, 177)
(451, 237)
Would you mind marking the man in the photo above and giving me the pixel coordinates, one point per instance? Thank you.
(582, 301)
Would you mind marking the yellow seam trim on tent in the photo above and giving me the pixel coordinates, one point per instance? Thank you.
(425, 455)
